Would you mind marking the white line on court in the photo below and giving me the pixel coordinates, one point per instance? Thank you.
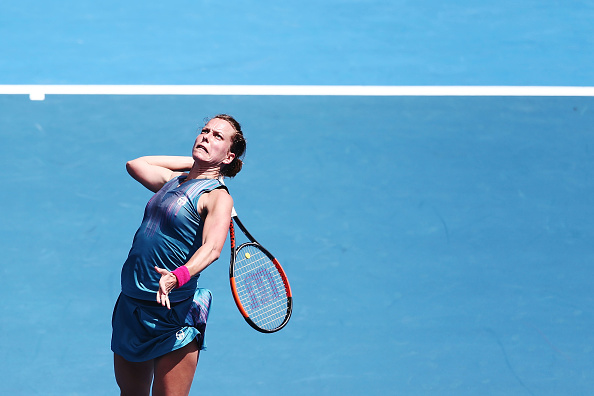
(38, 92)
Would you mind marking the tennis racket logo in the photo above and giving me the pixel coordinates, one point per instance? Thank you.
(261, 288)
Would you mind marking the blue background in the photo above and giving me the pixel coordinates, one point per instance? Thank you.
(374, 42)
(434, 245)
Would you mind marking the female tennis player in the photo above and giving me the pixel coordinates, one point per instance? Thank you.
(160, 316)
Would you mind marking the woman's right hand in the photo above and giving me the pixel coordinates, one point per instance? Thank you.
(167, 283)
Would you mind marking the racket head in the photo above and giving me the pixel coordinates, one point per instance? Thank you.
(260, 288)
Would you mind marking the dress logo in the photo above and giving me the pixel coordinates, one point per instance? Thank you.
(180, 335)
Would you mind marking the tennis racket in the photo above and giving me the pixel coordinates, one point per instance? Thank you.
(258, 282)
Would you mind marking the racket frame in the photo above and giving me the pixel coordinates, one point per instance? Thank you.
(279, 268)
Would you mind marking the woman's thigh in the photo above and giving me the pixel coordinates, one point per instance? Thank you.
(133, 378)
(174, 372)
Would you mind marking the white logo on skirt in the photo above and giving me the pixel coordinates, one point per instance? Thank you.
(180, 335)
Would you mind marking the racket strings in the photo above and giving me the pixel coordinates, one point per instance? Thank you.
(260, 287)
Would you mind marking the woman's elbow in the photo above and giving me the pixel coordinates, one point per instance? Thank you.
(215, 254)
(132, 167)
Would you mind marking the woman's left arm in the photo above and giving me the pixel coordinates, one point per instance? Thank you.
(217, 206)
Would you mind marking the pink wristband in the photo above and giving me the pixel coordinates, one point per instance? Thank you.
(182, 274)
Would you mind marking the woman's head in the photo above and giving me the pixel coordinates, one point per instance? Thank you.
(238, 146)
(221, 141)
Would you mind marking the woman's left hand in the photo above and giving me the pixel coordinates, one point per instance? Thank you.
(167, 283)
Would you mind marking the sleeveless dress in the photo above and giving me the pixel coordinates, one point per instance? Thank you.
(170, 233)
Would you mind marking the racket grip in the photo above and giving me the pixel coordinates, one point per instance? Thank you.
(182, 274)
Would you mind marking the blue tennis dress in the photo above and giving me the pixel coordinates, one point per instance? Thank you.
(170, 233)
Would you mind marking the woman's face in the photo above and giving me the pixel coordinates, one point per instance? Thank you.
(213, 144)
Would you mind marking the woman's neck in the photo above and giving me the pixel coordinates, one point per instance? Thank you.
(198, 172)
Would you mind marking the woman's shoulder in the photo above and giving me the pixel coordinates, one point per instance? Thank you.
(220, 193)
(181, 176)
(216, 199)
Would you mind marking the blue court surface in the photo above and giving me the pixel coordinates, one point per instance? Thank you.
(434, 245)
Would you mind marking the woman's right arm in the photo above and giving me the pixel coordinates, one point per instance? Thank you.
(154, 171)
